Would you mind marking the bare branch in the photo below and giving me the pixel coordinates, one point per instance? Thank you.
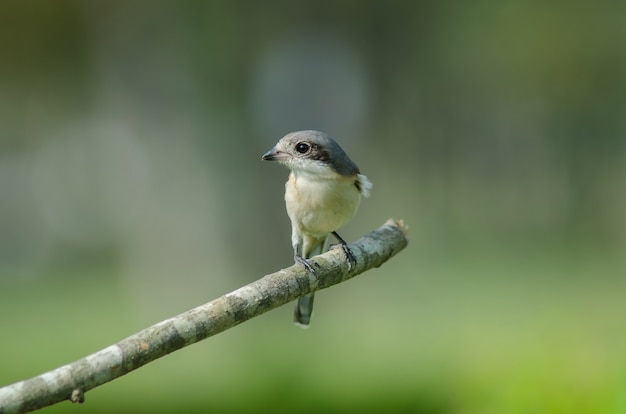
(73, 380)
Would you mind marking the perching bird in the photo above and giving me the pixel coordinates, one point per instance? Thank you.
(322, 194)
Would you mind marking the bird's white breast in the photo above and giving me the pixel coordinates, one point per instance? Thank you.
(320, 205)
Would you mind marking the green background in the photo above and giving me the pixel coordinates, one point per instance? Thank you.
(132, 189)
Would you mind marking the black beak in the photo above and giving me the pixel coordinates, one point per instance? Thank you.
(271, 155)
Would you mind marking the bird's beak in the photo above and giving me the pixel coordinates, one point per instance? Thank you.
(273, 155)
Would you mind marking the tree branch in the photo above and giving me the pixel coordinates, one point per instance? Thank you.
(73, 380)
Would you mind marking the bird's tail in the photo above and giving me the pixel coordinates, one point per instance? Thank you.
(303, 310)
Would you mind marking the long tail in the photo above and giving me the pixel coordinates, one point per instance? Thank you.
(303, 310)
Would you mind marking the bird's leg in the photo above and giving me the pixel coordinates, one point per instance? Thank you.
(301, 260)
(346, 250)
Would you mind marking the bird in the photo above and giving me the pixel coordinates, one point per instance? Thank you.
(322, 194)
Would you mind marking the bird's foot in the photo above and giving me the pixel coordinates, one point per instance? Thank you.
(346, 250)
(304, 262)
(349, 256)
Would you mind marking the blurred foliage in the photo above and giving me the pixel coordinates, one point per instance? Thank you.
(131, 189)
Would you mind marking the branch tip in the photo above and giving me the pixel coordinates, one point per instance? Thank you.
(400, 225)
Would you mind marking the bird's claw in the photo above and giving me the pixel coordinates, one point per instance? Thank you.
(347, 252)
(304, 262)
(349, 255)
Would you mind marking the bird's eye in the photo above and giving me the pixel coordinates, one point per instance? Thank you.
(302, 147)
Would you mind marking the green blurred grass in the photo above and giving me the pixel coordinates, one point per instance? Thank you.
(530, 337)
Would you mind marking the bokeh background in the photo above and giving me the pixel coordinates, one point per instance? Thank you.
(132, 189)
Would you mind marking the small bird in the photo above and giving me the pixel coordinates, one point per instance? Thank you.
(322, 194)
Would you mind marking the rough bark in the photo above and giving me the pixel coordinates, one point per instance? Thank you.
(70, 382)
